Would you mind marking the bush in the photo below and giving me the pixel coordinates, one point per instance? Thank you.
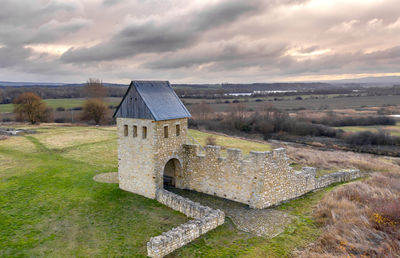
(271, 121)
(211, 141)
(370, 138)
(94, 109)
(235, 101)
(355, 121)
(29, 106)
(47, 115)
(59, 120)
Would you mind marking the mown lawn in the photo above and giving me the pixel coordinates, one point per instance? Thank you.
(65, 103)
(50, 206)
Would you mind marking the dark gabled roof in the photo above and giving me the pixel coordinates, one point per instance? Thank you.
(151, 100)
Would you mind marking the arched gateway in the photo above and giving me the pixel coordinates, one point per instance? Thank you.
(171, 171)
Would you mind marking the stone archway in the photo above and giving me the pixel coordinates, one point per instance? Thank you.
(171, 171)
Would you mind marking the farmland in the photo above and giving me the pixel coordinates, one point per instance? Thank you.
(308, 102)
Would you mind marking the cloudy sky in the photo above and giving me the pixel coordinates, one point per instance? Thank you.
(198, 41)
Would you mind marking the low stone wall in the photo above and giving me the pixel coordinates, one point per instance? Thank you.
(14, 132)
(205, 219)
(340, 176)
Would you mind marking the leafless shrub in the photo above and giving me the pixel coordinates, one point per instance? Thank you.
(211, 141)
(94, 88)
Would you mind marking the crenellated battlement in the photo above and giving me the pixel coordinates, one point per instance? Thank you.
(213, 152)
(259, 179)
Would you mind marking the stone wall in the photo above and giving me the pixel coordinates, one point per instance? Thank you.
(136, 157)
(205, 219)
(260, 180)
(340, 176)
(168, 148)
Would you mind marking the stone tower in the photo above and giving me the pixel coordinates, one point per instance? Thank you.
(152, 129)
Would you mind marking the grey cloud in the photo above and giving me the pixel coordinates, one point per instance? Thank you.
(111, 2)
(11, 56)
(350, 62)
(55, 29)
(309, 49)
(228, 55)
(223, 13)
(31, 12)
(168, 35)
(46, 33)
(216, 39)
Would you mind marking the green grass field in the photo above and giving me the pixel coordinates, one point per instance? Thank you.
(65, 103)
(394, 130)
(51, 207)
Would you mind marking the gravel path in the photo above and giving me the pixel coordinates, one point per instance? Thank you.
(261, 222)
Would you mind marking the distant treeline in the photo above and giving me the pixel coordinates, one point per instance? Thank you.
(8, 94)
(206, 91)
(355, 121)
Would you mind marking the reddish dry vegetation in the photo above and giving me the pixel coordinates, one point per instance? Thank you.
(361, 219)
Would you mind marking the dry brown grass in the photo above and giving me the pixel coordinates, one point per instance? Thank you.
(340, 160)
(360, 219)
(3, 137)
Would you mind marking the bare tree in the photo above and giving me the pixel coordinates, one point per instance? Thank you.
(94, 88)
(205, 110)
(238, 110)
(29, 106)
(94, 109)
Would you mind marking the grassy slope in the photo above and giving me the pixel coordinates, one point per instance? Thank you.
(229, 142)
(393, 129)
(65, 103)
(50, 206)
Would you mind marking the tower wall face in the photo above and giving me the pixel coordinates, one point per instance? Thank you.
(136, 156)
(170, 147)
